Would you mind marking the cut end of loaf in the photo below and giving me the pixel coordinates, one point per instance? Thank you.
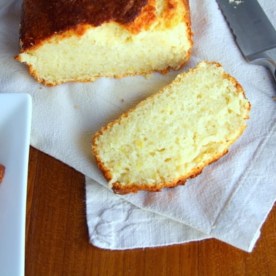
(157, 40)
(172, 135)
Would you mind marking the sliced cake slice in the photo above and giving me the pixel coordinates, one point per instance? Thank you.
(172, 135)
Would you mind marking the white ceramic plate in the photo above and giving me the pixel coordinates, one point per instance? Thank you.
(15, 126)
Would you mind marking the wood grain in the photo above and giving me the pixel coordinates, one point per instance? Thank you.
(57, 237)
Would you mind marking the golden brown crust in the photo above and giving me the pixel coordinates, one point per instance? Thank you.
(135, 187)
(144, 20)
(43, 18)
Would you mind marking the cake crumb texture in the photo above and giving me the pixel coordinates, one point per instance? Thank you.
(172, 135)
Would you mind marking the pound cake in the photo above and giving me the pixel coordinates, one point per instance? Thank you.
(83, 40)
(172, 135)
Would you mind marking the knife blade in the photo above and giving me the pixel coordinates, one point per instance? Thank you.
(252, 30)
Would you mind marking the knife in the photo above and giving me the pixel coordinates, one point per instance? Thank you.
(253, 32)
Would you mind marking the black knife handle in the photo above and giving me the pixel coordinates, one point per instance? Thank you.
(267, 59)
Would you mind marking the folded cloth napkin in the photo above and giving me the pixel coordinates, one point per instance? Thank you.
(228, 201)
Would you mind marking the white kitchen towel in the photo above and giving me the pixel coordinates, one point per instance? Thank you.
(229, 200)
(115, 223)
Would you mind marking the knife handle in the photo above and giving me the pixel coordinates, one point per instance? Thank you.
(267, 59)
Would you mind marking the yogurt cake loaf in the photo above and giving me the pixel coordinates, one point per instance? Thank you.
(82, 40)
(172, 135)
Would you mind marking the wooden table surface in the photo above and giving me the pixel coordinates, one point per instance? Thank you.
(57, 237)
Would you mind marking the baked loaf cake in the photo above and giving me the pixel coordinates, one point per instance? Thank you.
(172, 135)
(82, 40)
